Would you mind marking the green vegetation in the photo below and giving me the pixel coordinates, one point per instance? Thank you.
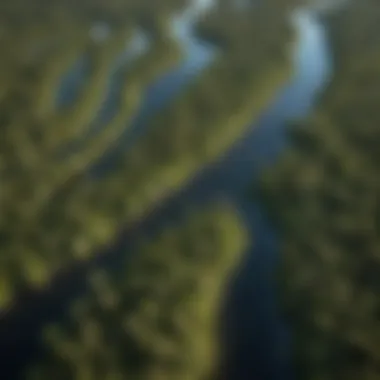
(264, 23)
(53, 214)
(194, 130)
(34, 131)
(324, 196)
(154, 318)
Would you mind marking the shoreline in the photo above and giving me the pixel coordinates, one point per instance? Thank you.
(159, 204)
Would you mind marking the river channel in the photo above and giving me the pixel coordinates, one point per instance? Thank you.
(258, 342)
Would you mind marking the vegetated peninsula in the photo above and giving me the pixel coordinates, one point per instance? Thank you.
(53, 213)
(324, 195)
(34, 130)
(154, 318)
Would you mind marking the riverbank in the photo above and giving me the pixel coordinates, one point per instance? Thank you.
(30, 149)
(59, 229)
(158, 309)
(253, 325)
(323, 196)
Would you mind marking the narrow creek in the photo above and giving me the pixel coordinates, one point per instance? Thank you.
(256, 338)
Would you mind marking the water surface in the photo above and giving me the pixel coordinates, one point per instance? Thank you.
(257, 340)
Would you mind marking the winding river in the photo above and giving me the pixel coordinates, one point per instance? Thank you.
(257, 340)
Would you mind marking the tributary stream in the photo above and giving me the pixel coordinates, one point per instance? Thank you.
(258, 343)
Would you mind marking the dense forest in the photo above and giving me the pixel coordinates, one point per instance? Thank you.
(54, 212)
(323, 195)
(36, 132)
(72, 183)
(153, 318)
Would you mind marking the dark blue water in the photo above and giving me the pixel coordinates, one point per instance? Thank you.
(160, 93)
(257, 339)
(73, 81)
(70, 82)
(258, 342)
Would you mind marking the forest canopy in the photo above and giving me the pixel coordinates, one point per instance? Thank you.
(323, 195)
(58, 162)
(156, 317)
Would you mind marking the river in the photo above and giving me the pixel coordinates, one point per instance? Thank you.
(258, 342)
